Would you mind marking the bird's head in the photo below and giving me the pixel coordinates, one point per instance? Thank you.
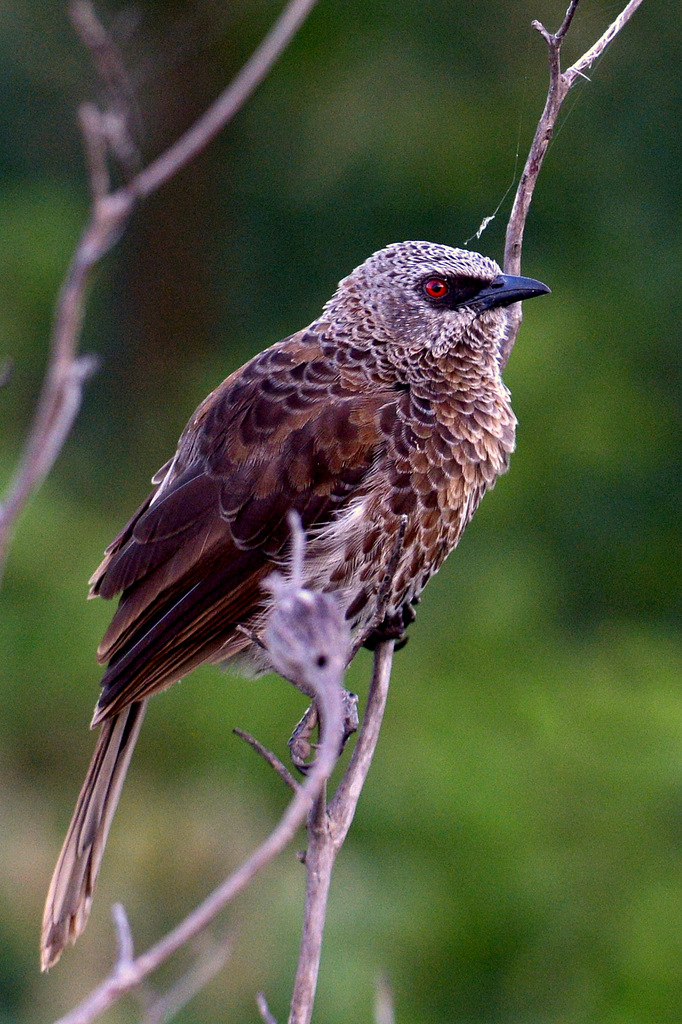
(420, 295)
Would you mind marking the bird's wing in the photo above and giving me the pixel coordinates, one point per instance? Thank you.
(286, 431)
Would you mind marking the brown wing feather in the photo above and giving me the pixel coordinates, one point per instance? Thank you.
(283, 432)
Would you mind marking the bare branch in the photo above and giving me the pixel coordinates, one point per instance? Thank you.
(95, 144)
(384, 1010)
(568, 18)
(62, 388)
(61, 393)
(124, 121)
(345, 800)
(124, 937)
(319, 863)
(271, 758)
(227, 104)
(559, 86)
(587, 60)
(60, 402)
(167, 1006)
(252, 635)
(327, 833)
(264, 1009)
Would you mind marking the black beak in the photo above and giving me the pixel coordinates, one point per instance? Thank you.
(504, 290)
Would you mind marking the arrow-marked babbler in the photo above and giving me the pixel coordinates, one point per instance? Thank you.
(386, 416)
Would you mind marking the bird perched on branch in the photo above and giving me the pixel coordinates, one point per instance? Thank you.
(384, 421)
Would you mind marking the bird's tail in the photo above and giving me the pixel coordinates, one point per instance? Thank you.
(68, 901)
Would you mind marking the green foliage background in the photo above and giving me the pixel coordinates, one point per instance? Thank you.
(517, 854)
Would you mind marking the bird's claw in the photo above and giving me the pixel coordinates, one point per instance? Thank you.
(300, 746)
(394, 627)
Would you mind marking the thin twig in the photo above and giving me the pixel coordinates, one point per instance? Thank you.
(123, 122)
(80, 370)
(60, 397)
(345, 800)
(125, 949)
(95, 145)
(559, 86)
(251, 634)
(264, 1009)
(62, 388)
(587, 60)
(167, 1006)
(384, 1008)
(271, 758)
(58, 408)
(568, 18)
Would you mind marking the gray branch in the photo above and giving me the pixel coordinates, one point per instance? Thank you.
(168, 1005)
(264, 1009)
(327, 831)
(559, 87)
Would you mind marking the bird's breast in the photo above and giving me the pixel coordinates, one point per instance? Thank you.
(436, 462)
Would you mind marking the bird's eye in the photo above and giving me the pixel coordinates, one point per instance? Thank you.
(436, 288)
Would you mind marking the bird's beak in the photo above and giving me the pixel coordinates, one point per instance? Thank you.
(504, 290)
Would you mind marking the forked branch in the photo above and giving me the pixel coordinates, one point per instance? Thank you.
(560, 84)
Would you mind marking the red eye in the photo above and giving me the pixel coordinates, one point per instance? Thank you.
(436, 288)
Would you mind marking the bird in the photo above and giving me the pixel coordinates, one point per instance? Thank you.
(382, 423)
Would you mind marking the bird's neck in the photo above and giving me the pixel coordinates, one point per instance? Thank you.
(461, 369)
(472, 368)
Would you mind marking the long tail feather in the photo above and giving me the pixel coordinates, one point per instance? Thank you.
(73, 882)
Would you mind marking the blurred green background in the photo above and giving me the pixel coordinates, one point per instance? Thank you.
(517, 853)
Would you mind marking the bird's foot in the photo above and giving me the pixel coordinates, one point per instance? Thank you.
(394, 627)
(300, 746)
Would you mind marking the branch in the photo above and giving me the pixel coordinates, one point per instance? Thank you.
(384, 1009)
(168, 1005)
(105, 136)
(587, 60)
(559, 86)
(327, 831)
(121, 124)
(125, 947)
(267, 755)
(264, 1009)
(62, 393)
(228, 103)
